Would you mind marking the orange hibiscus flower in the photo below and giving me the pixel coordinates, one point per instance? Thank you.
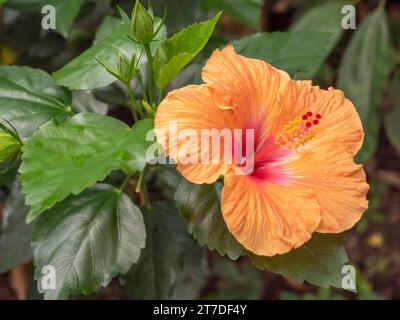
(304, 178)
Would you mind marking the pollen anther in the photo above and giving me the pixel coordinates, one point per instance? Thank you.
(297, 132)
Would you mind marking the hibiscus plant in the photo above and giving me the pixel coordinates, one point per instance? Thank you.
(139, 197)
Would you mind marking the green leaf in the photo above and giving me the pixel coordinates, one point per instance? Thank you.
(30, 98)
(89, 239)
(201, 209)
(319, 261)
(175, 53)
(84, 101)
(161, 262)
(247, 12)
(108, 26)
(366, 65)
(392, 118)
(65, 158)
(294, 52)
(84, 72)
(326, 17)
(15, 234)
(66, 11)
(193, 276)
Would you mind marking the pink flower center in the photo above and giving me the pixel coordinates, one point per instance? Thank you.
(271, 153)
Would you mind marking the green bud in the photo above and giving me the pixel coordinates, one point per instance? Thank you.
(124, 68)
(142, 24)
(9, 146)
(127, 69)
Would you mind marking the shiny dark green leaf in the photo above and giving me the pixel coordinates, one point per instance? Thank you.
(161, 263)
(326, 17)
(319, 261)
(84, 101)
(295, 52)
(30, 98)
(88, 239)
(200, 207)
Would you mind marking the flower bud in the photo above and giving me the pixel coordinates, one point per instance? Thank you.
(9, 146)
(124, 68)
(142, 24)
(127, 69)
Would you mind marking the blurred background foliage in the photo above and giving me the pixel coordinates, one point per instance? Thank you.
(363, 62)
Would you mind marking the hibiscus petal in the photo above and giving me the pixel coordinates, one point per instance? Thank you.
(339, 122)
(192, 109)
(250, 87)
(339, 184)
(267, 218)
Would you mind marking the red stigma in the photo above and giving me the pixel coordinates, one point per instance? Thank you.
(318, 116)
(315, 122)
(309, 113)
(304, 117)
(308, 124)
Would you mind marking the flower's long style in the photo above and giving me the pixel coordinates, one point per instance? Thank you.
(304, 178)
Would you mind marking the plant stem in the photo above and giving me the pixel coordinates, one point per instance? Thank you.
(142, 88)
(151, 73)
(140, 182)
(141, 186)
(134, 105)
(123, 185)
(382, 4)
